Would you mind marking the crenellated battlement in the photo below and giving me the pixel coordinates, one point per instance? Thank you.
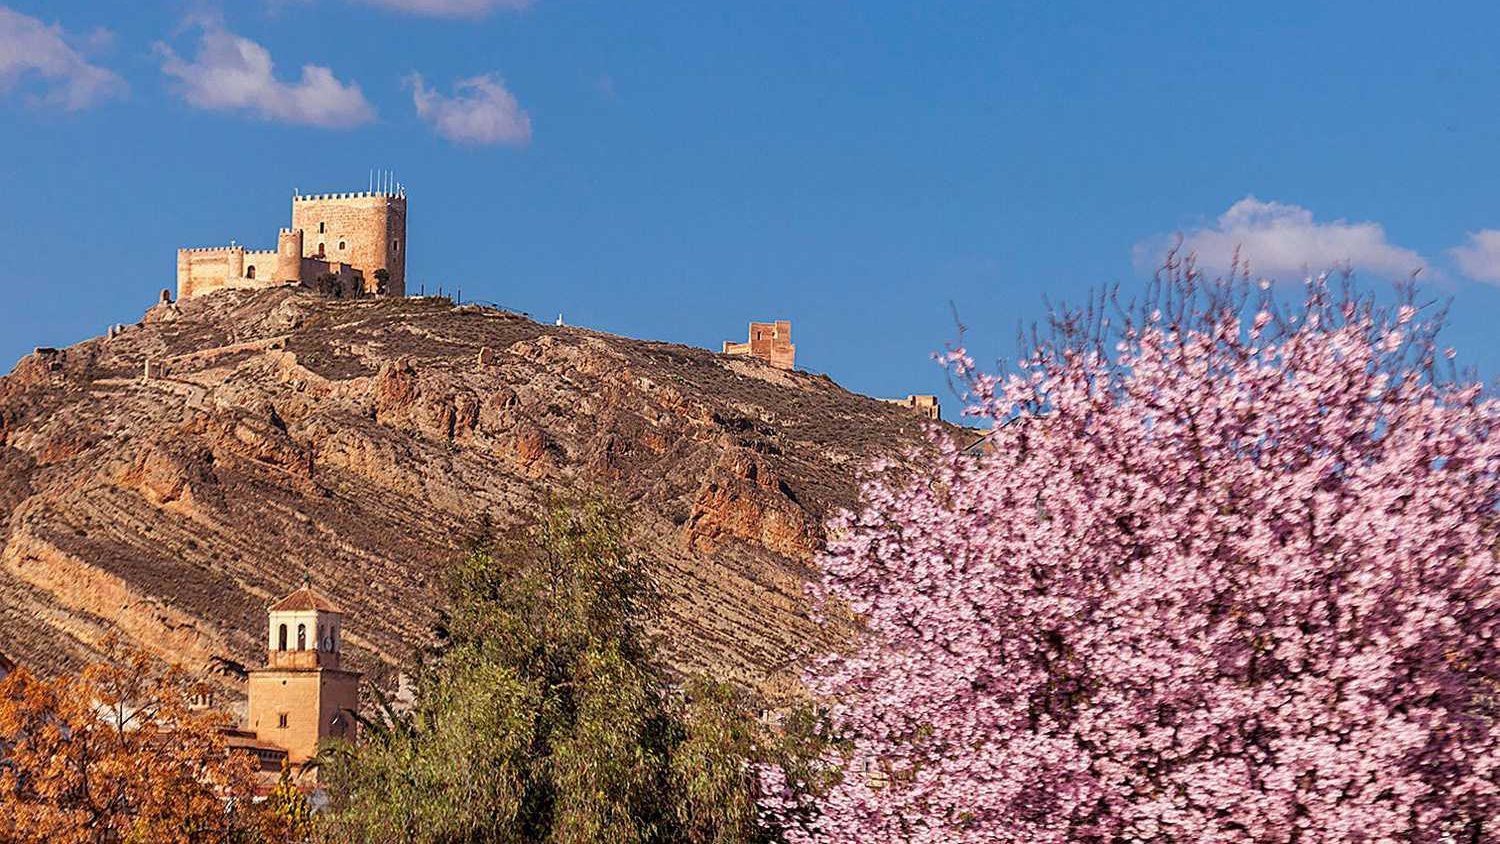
(399, 195)
(235, 248)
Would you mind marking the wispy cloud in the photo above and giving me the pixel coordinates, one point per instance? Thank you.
(480, 111)
(1281, 240)
(1479, 256)
(450, 8)
(30, 48)
(233, 73)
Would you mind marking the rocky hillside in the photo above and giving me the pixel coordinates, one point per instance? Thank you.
(168, 481)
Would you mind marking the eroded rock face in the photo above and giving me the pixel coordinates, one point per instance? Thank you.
(360, 441)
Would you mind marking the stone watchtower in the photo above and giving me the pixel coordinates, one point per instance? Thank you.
(289, 255)
(366, 231)
(303, 696)
(769, 341)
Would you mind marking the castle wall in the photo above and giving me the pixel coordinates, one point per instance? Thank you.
(264, 263)
(201, 271)
(367, 231)
(927, 405)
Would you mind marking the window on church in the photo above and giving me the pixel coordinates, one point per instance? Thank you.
(322, 227)
(341, 244)
(396, 245)
(320, 249)
(281, 720)
(281, 639)
(322, 637)
(250, 271)
(302, 637)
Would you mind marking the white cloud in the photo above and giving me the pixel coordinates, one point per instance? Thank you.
(1479, 257)
(1283, 241)
(480, 111)
(451, 8)
(29, 47)
(232, 73)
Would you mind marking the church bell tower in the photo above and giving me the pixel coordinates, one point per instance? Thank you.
(303, 695)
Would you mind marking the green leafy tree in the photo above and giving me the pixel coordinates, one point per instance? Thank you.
(544, 716)
(327, 284)
(716, 802)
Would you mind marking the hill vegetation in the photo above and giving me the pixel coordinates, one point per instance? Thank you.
(168, 481)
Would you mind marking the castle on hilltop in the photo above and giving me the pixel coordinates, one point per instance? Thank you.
(344, 241)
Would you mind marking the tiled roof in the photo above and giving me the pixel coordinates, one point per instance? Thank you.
(303, 599)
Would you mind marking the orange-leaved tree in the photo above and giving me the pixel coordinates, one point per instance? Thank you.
(117, 754)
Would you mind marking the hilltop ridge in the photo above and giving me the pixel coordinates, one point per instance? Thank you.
(168, 480)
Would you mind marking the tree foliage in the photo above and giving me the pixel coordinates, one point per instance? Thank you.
(1224, 571)
(287, 813)
(543, 716)
(116, 754)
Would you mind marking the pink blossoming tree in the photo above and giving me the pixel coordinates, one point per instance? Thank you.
(1227, 576)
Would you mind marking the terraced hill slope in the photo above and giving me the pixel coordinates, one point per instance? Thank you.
(169, 481)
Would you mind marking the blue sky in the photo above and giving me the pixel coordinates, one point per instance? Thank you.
(674, 170)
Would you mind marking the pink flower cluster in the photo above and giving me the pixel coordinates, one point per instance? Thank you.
(1208, 585)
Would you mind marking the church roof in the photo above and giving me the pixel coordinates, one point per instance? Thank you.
(305, 598)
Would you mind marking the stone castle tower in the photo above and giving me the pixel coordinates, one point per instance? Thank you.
(303, 695)
(350, 236)
(769, 341)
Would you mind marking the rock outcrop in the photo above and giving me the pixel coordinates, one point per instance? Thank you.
(165, 482)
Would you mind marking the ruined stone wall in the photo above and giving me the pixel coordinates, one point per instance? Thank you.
(769, 341)
(927, 405)
(366, 230)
